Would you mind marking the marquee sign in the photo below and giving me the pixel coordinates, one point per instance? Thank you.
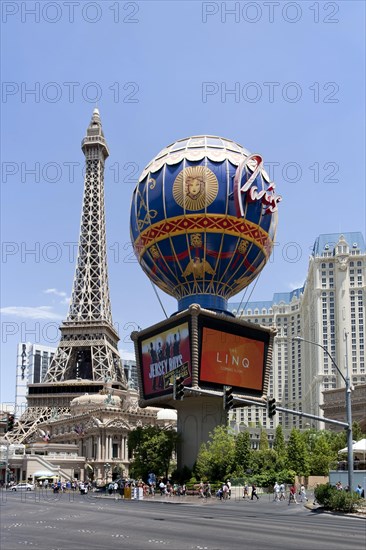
(209, 350)
(161, 353)
(231, 360)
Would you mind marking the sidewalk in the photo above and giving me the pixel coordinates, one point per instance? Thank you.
(161, 499)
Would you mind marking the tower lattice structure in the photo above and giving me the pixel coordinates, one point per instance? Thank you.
(88, 346)
(87, 356)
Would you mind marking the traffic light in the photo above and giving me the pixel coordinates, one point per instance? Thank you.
(10, 423)
(179, 388)
(228, 398)
(271, 407)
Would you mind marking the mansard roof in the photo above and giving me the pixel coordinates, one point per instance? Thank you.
(278, 297)
(328, 241)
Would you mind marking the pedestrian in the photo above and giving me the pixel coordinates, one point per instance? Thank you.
(276, 491)
(292, 495)
(246, 491)
(282, 492)
(228, 483)
(254, 492)
(208, 490)
(303, 493)
(225, 491)
(162, 488)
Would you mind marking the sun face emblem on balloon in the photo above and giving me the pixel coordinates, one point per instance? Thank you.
(195, 188)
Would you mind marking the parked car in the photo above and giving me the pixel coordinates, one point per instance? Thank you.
(23, 487)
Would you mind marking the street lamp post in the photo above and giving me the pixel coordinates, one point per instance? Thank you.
(347, 382)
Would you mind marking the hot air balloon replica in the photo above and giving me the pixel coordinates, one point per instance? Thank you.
(203, 224)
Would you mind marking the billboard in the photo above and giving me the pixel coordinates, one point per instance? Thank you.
(208, 350)
(231, 359)
(162, 353)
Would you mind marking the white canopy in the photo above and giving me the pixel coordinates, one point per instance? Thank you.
(44, 473)
(358, 448)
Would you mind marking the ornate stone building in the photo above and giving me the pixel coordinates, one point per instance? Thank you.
(99, 425)
(334, 406)
(88, 442)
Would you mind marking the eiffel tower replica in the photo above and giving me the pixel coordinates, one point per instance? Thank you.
(87, 356)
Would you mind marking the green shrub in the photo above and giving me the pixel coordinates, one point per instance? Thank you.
(344, 501)
(323, 494)
(333, 499)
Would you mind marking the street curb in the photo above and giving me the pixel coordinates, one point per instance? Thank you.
(320, 510)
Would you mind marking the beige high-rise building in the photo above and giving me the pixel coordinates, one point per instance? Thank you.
(328, 310)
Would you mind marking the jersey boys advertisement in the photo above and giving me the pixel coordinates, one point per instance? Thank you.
(232, 360)
(163, 353)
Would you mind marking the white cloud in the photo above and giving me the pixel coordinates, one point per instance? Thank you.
(56, 292)
(25, 312)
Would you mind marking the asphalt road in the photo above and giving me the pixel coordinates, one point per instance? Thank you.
(72, 521)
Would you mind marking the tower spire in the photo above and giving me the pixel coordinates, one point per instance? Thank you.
(90, 296)
(88, 346)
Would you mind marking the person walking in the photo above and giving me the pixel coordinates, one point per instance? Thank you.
(282, 492)
(225, 491)
(208, 490)
(276, 491)
(292, 495)
(254, 492)
(228, 483)
(303, 493)
(360, 491)
(246, 491)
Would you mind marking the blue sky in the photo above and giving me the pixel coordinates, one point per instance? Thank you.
(161, 71)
